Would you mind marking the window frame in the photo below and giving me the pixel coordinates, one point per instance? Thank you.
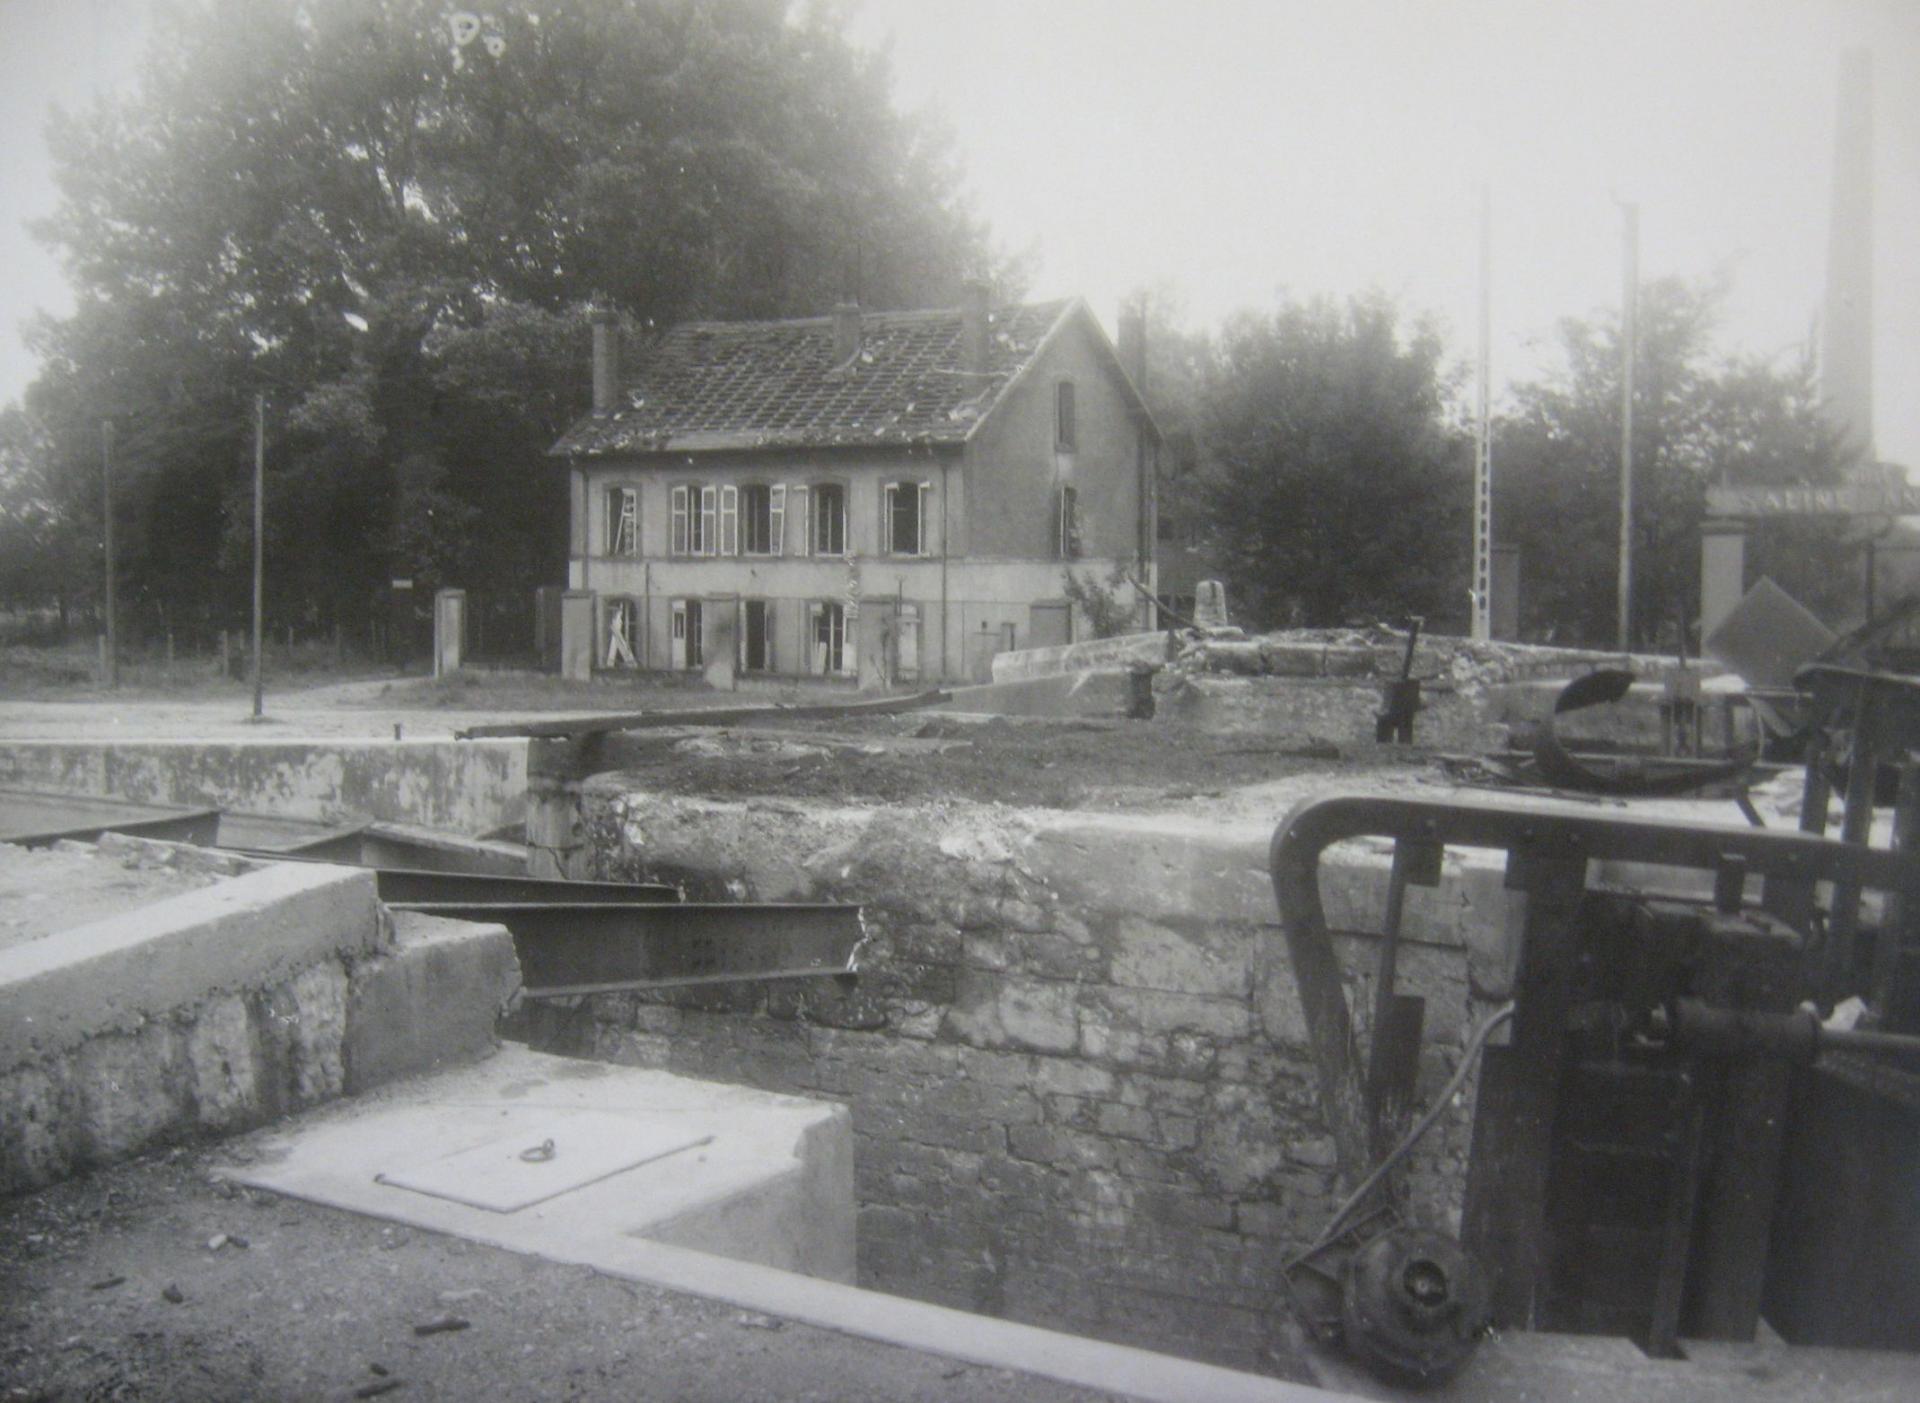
(889, 499)
(816, 517)
(1066, 513)
(818, 612)
(774, 544)
(1065, 417)
(612, 518)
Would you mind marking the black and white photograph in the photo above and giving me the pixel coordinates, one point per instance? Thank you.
(960, 701)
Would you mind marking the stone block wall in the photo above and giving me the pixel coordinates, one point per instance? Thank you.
(226, 1007)
(1075, 1058)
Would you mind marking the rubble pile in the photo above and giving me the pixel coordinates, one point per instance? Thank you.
(1380, 653)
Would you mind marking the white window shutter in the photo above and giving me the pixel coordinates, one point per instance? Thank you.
(708, 497)
(729, 521)
(802, 521)
(678, 544)
(777, 520)
(886, 518)
(926, 491)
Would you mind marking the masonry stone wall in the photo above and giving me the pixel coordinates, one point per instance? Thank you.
(1075, 1057)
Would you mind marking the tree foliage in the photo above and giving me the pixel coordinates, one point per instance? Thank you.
(393, 237)
(1698, 420)
(1336, 489)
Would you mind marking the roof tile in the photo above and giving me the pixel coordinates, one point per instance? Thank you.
(732, 385)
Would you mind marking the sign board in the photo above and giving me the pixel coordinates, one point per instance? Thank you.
(1854, 499)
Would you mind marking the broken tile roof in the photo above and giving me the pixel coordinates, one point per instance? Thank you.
(746, 385)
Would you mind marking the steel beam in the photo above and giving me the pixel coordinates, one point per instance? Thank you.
(584, 948)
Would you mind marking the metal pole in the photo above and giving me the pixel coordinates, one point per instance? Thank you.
(1629, 298)
(259, 518)
(111, 667)
(1483, 439)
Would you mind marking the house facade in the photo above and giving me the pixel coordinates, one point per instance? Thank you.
(874, 498)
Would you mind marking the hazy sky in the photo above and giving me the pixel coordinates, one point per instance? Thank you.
(1238, 148)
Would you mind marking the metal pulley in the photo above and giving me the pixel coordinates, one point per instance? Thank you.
(1414, 1305)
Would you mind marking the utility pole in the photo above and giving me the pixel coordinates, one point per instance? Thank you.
(259, 519)
(110, 662)
(1629, 299)
(1483, 438)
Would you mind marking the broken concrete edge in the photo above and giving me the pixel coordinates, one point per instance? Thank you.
(1150, 866)
(433, 999)
(245, 934)
(1107, 653)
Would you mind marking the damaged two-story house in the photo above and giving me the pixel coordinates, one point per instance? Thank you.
(877, 497)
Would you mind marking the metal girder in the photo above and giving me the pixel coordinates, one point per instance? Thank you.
(406, 885)
(34, 819)
(586, 948)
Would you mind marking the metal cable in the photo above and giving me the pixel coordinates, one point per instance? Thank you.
(1413, 1136)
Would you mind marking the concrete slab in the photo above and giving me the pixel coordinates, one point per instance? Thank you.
(790, 1157)
(513, 1170)
(616, 1225)
(52, 889)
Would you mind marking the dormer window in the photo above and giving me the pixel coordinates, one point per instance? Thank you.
(1063, 416)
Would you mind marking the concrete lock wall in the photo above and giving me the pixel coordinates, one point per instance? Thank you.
(462, 786)
(1075, 1057)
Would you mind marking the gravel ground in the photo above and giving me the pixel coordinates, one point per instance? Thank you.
(149, 1281)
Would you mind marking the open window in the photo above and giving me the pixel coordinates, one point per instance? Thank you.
(622, 536)
(829, 518)
(691, 509)
(622, 625)
(903, 518)
(763, 518)
(833, 646)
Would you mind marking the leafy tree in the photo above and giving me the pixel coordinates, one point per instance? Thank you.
(393, 235)
(1337, 489)
(1698, 420)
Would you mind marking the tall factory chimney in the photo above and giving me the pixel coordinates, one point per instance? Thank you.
(1846, 333)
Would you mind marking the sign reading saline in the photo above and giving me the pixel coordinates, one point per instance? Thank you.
(1854, 499)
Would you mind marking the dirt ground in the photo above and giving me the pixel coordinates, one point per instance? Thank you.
(1066, 764)
(112, 1287)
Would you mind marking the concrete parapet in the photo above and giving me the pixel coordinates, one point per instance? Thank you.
(459, 786)
(431, 1002)
(224, 1006)
(237, 937)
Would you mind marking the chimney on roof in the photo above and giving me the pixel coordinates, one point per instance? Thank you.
(976, 300)
(1133, 342)
(606, 355)
(846, 332)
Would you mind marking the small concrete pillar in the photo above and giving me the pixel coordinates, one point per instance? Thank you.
(449, 631)
(1723, 571)
(576, 635)
(1210, 604)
